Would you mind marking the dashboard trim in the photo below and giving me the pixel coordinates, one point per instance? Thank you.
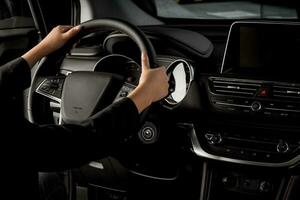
(232, 104)
(191, 75)
(153, 177)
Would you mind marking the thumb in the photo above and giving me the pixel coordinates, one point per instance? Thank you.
(145, 61)
(72, 32)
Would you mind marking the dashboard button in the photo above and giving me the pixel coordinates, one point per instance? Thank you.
(284, 114)
(268, 156)
(265, 186)
(229, 181)
(246, 111)
(149, 133)
(123, 94)
(253, 154)
(267, 113)
(263, 92)
(249, 184)
(213, 138)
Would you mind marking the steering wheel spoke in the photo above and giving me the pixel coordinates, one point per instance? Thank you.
(51, 87)
(125, 90)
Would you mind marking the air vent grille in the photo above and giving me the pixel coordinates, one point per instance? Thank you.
(235, 87)
(288, 92)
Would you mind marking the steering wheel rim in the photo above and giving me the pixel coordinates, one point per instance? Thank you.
(132, 31)
(87, 28)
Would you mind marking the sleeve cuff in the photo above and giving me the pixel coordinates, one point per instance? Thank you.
(15, 75)
(23, 73)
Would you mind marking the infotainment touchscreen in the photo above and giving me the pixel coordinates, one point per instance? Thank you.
(263, 50)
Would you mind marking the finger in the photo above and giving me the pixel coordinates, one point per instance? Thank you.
(145, 61)
(164, 72)
(72, 32)
(64, 28)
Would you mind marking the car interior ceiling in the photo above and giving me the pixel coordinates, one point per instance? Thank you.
(229, 130)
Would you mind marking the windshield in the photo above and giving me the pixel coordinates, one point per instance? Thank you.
(225, 9)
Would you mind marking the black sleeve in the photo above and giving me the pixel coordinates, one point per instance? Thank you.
(53, 147)
(15, 76)
(69, 146)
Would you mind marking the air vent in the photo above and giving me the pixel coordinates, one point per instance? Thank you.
(289, 92)
(234, 87)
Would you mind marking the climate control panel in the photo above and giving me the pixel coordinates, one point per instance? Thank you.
(250, 146)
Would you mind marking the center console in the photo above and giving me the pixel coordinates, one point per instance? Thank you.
(255, 106)
(258, 93)
(235, 183)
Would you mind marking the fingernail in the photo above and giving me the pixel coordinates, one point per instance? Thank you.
(77, 27)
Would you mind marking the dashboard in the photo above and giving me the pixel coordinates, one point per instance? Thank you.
(252, 100)
(245, 112)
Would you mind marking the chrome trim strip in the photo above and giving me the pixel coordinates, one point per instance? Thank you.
(204, 182)
(235, 82)
(235, 92)
(293, 87)
(153, 177)
(198, 150)
(286, 96)
(231, 104)
(191, 75)
(234, 87)
(281, 109)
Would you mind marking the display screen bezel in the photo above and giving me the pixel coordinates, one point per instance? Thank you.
(231, 62)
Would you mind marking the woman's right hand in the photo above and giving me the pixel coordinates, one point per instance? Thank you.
(58, 37)
(53, 41)
(152, 87)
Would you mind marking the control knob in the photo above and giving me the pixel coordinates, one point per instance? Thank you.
(283, 147)
(256, 106)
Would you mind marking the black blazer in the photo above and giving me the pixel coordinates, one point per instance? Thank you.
(27, 148)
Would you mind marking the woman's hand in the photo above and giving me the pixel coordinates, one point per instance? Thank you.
(58, 37)
(153, 85)
(53, 41)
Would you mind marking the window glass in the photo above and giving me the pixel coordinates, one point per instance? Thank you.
(226, 9)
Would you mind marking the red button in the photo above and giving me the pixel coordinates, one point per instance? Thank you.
(263, 93)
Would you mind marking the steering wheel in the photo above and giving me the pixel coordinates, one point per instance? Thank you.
(84, 92)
